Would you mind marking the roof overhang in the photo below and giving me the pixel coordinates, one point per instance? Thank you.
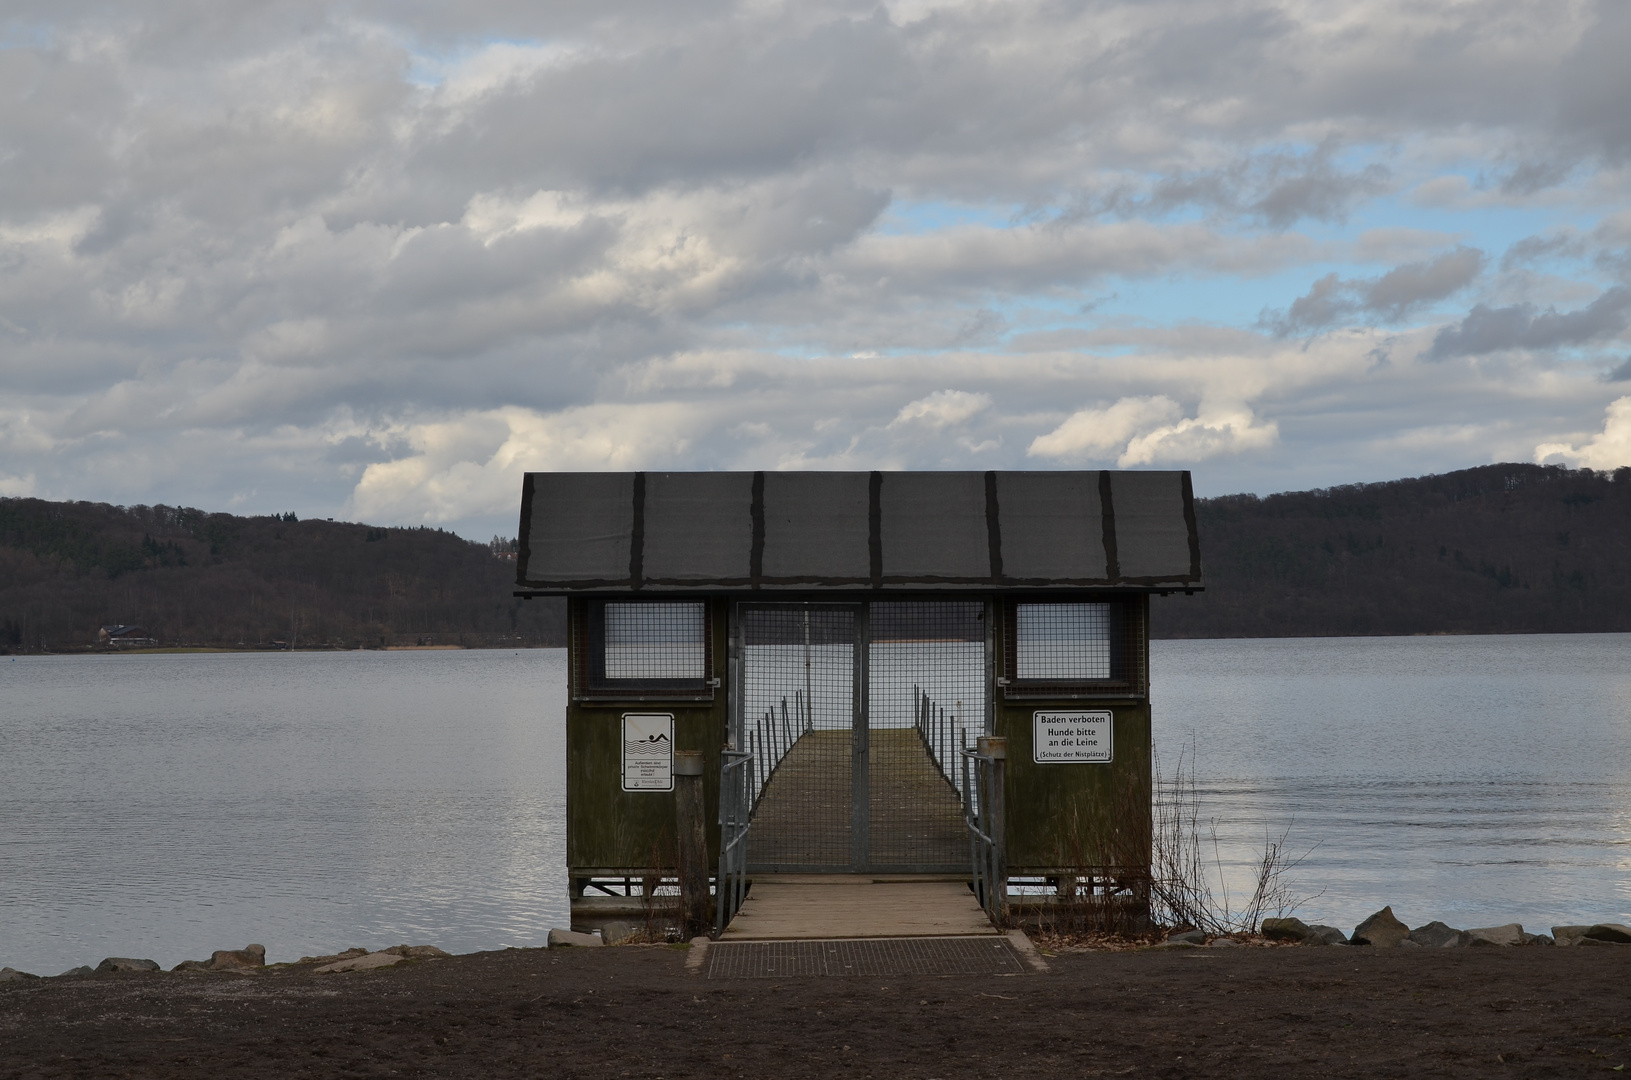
(856, 532)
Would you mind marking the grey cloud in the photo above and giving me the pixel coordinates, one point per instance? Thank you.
(1619, 374)
(1487, 329)
(1392, 297)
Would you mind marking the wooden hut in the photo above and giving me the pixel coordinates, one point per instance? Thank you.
(851, 649)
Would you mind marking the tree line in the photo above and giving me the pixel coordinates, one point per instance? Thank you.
(1492, 550)
(194, 578)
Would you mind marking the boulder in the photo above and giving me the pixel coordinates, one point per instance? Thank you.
(418, 952)
(1618, 933)
(1600, 943)
(366, 962)
(1510, 934)
(250, 956)
(1537, 939)
(1568, 935)
(1437, 935)
(1187, 937)
(616, 932)
(1326, 935)
(1223, 943)
(346, 955)
(1286, 930)
(1381, 930)
(13, 975)
(126, 963)
(561, 939)
(81, 970)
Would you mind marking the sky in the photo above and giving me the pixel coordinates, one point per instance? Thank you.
(374, 260)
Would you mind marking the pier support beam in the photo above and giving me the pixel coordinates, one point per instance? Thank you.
(693, 841)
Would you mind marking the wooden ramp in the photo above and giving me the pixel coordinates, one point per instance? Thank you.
(804, 819)
(789, 907)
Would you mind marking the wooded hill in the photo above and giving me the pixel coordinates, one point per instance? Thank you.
(1492, 550)
(1496, 549)
(193, 578)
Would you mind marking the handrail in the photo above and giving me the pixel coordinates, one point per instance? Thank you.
(983, 813)
(735, 813)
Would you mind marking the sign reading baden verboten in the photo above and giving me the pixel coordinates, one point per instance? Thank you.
(648, 751)
(1072, 736)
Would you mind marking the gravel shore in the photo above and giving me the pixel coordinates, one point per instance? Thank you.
(636, 1012)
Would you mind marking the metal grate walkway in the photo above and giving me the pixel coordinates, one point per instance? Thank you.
(875, 956)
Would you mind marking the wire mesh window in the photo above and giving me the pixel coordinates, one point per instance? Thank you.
(644, 648)
(1075, 648)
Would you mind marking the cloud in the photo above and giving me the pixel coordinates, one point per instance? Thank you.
(1519, 326)
(1620, 373)
(320, 255)
(943, 408)
(1608, 449)
(1151, 430)
(1394, 296)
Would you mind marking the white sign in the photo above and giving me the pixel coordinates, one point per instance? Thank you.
(1072, 736)
(648, 751)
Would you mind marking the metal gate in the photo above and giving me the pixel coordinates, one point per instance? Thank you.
(854, 715)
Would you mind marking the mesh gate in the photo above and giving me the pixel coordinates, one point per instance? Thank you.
(854, 714)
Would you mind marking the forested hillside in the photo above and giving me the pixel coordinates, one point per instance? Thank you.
(194, 578)
(1496, 549)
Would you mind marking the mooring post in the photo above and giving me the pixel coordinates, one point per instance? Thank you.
(995, 747)
(693, 841)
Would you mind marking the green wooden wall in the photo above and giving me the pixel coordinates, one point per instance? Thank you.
(615, 832)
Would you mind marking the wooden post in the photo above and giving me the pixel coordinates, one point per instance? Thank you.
(996, 748)
(688, 812)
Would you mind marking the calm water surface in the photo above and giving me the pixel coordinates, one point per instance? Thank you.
(165, 806)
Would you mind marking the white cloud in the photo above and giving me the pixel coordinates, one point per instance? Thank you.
(1608, 449)
(943, 408)
(1099, 434)
(1141, 431)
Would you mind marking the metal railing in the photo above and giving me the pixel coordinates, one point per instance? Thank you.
(983, 772)
(771, 737)
(735, 812)
(944, 736)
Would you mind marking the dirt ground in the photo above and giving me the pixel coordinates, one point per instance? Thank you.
(635, 1012)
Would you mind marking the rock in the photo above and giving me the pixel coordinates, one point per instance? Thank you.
(418, 952)
(1408, 944)
(1223, 943)
(1510, 934)
(1326, 935)
(1569, 935)
(1381, 930)
(81, 970)
(366, 962)
(250, 956)
(561, 939)
(1618, 933)
(1537, 939)
(13, 975)
(125, 963)
(1437, 935)
(1286, 930)
(1176, 945)
(1188, 937)
(615, 932)
(348, 954)
(1599, 942)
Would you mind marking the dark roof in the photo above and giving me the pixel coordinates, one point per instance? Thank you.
(818, 531)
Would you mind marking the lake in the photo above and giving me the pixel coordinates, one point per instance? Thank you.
(168, 805)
